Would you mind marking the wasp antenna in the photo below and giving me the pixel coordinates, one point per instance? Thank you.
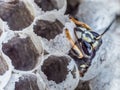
(100, 36)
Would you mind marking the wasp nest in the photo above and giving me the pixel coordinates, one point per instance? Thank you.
(35, 53)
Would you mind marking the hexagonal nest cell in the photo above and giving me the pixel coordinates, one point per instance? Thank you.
(16, 14)
(22, 52)
(27, 82)
(3, 66)
(55, 68)
(47, 5)
(47, 29)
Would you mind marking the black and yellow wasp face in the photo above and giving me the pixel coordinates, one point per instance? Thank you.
(84, 48)
(89, 41)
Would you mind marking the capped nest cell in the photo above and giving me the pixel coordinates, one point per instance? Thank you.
(16, 14)
(22, 52)
(58, 72)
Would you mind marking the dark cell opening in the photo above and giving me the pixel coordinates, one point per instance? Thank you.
(27, 82)
(55, 68)
(22, 52)
(47, 29)
(16, 14)
(47, 5)
(72, 7)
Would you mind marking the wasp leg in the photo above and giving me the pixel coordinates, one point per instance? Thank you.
(79, 44)
(76, 49)
(73, 53)
(80, 23)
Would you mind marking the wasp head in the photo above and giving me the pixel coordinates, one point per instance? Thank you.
(89, 40)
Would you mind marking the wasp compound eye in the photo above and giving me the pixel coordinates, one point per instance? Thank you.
(87, 48)
(87, 36)
(97, 42)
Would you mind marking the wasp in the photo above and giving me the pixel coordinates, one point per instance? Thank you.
(86, 44)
